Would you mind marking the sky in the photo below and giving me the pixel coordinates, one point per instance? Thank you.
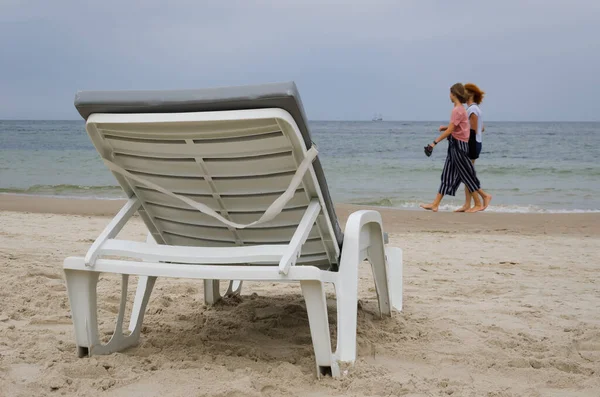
(536, 60)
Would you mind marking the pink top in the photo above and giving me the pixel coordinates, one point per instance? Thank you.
(461, 123)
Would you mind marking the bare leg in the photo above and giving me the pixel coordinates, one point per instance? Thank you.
(468, 196)
(478, 206)
(467, 205)
(435, 205)
(487, 198)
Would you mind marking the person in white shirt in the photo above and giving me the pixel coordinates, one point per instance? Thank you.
(475, 96)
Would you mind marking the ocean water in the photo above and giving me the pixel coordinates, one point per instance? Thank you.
(528, 167)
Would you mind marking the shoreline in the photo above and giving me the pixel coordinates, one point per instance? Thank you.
(501, 209)
(394, 220)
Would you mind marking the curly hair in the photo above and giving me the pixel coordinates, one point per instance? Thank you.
(473, 90)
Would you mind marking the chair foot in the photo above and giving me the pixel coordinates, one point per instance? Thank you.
(212, 294)
(83, 351)
(81, 286)
(235, 288)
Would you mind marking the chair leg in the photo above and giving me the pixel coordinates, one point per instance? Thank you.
(377, 259)
(81, 286)
(211, 291)
(212, 294)
(363, 239)
(235, 288)
(142, 296)
(346, 291)
(395, 270)
(316, 307)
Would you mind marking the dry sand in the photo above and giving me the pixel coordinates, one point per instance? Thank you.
(495, 305)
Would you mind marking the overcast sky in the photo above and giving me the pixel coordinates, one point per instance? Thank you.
(537, 60)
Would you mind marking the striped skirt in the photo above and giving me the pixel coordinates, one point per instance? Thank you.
(458, 168)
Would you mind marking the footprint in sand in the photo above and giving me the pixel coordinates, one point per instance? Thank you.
(24, 373)
(589, 346)
(45, 273)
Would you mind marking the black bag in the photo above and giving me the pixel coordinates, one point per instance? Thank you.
(428, 150)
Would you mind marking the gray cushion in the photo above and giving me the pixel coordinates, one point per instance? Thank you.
(277, 95)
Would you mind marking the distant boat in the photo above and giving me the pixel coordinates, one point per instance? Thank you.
(377, 117)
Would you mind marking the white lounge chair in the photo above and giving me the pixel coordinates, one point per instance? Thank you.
(230, 187)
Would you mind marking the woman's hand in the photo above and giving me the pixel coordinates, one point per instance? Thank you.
(429, 149)
(443, 128)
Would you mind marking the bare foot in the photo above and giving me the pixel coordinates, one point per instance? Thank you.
(464, 208)
(486, 201)
(476, 208)
(430, 207)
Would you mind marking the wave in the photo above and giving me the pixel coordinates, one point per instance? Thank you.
(110, 192)
(519, 209)
(494, 170)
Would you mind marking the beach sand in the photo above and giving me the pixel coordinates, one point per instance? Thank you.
(496, 305)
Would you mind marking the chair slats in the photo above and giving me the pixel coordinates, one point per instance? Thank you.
(238, 168)
(263, 144)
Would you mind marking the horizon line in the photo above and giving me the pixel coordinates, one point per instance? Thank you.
(371, 121)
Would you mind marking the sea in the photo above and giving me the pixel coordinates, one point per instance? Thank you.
(532, 167)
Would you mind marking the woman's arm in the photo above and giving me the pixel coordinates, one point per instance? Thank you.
(473, 120)
(446, 131)
(444, 134)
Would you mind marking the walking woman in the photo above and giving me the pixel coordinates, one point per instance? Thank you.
(475, 96)
(458, 167)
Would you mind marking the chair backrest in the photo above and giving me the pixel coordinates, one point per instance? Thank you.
(233, 149)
